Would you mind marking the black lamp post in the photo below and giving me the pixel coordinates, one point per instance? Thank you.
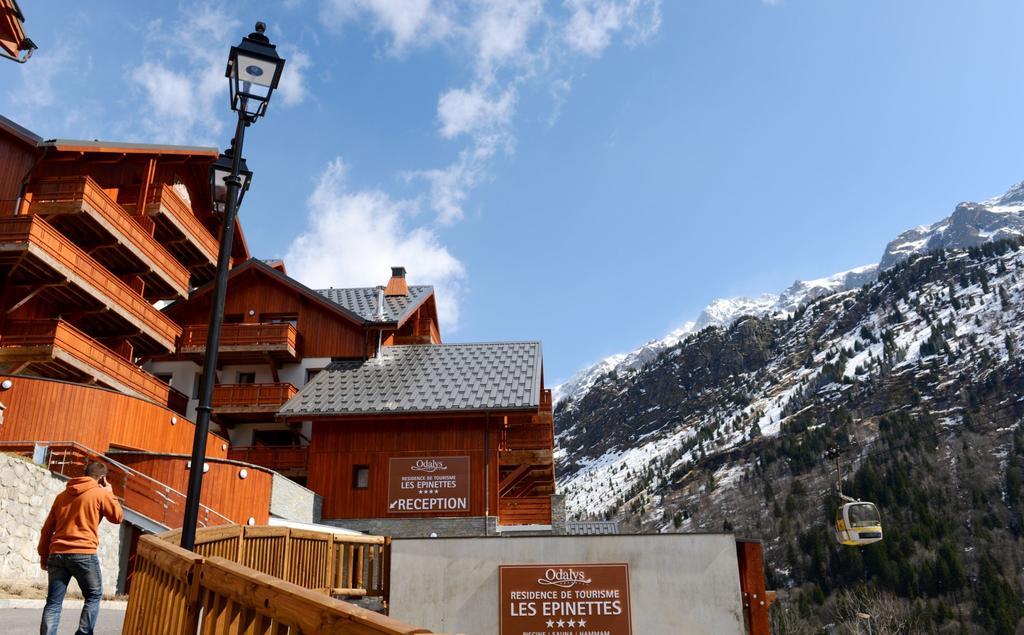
(254, 70)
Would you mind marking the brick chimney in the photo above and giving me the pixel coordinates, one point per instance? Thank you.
(397, 286)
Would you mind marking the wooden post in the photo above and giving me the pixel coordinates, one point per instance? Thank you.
(752, 587)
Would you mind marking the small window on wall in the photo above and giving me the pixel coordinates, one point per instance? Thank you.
(311, 373)
(247, 378)
(164, 377)
(233, 318)
(360, 476)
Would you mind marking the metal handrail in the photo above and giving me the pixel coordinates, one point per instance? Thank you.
(156, 486)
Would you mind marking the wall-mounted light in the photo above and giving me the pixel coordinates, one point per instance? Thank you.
(174, 421)
(6, 384)
(252, 312)
(242, 473)
(251, 521)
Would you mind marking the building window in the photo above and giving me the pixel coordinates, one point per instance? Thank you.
(233, 318)
(311, 373)
(247, 378)
(273, 437)
(280, 318)
(360, 476)
(164, 377)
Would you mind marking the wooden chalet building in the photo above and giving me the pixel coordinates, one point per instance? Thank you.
(345, 389)
(92, 236)
(349, 391)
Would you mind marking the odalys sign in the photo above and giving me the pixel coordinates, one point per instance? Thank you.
(435, 484)
(564, 599)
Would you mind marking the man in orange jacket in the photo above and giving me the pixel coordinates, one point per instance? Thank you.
(67, 548)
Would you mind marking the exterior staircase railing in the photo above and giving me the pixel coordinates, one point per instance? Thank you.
(140, 493)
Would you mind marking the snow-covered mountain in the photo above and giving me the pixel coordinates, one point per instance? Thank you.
(969, 225)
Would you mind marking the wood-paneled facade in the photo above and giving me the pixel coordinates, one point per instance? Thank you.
(92, 234)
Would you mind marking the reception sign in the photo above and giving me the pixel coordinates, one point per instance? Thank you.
(428, 484)
(564, 599)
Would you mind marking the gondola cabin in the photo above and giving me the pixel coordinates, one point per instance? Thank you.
(858, 523)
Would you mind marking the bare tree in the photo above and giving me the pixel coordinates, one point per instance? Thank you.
(868, 611)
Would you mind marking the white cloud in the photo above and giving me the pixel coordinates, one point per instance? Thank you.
(39, 77)
(182, 78)
(501, 31)
(472, 111)
(408, 23)
(593, 23)
(353, 237)
(292, 89)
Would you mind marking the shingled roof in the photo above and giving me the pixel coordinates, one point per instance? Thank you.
(426, 378)
(363, 302)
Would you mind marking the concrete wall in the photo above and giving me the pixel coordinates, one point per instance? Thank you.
(679, 583)
(26, 494)
(291, 501)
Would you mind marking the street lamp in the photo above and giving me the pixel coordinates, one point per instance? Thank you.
(220, 172)
(253, 72)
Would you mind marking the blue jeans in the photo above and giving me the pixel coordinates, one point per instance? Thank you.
(83, 567)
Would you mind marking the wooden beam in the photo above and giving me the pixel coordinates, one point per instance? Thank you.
(752, 586)
(27, 297)
(509, 481)
(147, 181)
(273, 368)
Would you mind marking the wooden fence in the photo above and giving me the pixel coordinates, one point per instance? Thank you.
(179, 592)
(345, 565)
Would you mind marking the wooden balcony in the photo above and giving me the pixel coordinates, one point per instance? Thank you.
(535, 510)
(245, 343)
(54, 348)
(81, 210)
(287, 460)
(184, 235)
(249, 403)
(46, 265)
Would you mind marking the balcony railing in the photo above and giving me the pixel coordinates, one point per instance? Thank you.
(251, 396)
(277, 458)
(280, 341)
(61, 258)
(533, 510)
(80, 194)
(163, 201)
(23, 340)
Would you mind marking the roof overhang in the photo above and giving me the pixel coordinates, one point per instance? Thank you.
(265, 269)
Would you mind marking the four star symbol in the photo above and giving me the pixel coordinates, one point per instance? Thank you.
(562, 623)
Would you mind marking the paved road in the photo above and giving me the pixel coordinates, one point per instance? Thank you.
(18, 621)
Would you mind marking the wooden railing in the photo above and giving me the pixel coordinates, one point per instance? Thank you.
(277, 458)
(249, 335)
(535, 436)
(178, 592)
(140, 493)
(90, 356)
(532, 510)
(35, 231)
(252, 395)
(163, 199)
(51, 195)
(350, 565)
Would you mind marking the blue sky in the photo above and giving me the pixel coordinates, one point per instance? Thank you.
(590, 172)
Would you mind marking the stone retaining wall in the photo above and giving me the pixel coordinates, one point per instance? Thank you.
(26, 494)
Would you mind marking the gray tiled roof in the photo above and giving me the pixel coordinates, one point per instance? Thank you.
(426, 378)
(363, 301)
